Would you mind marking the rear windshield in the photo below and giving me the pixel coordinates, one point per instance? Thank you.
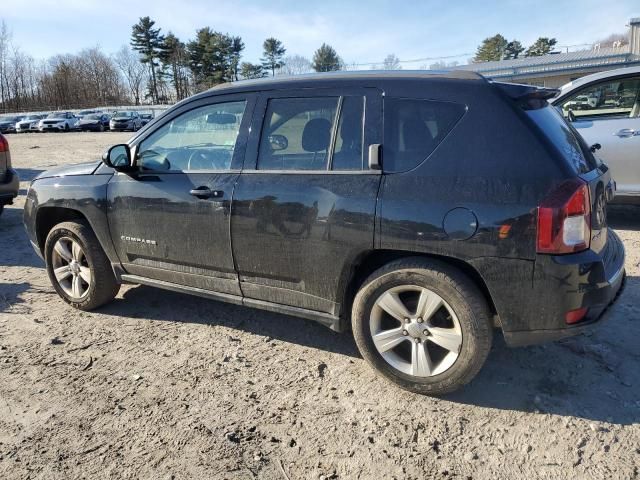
(566, 140)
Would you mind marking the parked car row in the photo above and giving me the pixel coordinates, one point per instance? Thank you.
(85, 120)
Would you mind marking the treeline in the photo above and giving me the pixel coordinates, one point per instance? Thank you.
(177, 69)
(154, 68)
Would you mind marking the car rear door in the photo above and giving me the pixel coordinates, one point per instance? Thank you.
(169, 220)
(614, 123)
(304, 206)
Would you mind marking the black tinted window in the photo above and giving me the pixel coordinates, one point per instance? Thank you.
(348, 149)
(413, 128)
(296, 134)
(563, 137)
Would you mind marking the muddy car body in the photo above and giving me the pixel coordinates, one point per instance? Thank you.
(421, 210)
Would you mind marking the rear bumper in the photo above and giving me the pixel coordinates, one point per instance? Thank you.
(564, 283)
(597, 313)
(9, 187)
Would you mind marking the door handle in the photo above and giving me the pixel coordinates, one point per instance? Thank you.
(206, 192)
(627, 132)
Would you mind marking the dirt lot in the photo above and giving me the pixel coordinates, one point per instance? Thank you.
(162, 385)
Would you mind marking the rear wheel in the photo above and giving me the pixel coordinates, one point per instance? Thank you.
(423, 325)
(77, 266)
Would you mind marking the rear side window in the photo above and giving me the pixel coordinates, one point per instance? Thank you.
(564, 138)
(314, 133)
(413, 128)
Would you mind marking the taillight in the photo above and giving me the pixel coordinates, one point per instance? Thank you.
(564, 219)
(4, 144)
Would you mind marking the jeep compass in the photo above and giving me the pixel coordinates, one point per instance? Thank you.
(418, 210)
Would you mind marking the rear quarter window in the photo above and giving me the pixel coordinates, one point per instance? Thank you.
(564, 138)
(413, 128)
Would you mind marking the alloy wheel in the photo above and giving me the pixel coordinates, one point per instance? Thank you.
(70, 267)
(415, 331)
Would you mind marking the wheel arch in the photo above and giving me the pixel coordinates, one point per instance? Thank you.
(49, 217)
(372, 260)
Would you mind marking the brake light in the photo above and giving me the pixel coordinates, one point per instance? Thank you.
(4, 144)
(564, 219)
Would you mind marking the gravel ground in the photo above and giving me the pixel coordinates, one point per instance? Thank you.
(163, 385)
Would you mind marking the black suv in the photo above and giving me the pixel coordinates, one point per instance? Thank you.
(420, 209)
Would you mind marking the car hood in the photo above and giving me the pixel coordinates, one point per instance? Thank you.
(7, 123)
(54, 119)
(68, 170)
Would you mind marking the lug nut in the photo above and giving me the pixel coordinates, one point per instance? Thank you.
(406, 320)
(426, 332)
(405, 333)
(420, 320)
(417, 340)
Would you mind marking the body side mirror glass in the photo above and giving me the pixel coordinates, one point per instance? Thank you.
(118, 157)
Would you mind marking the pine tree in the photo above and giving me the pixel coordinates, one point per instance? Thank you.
(542, 46)
(273, 54)
(249, 70)
(174, 57)
(513, 50)
(491, 49)
(326, 59)
(148, 42)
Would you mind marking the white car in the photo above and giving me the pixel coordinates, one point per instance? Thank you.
(58, 121)
(612, 123)
(30, 123)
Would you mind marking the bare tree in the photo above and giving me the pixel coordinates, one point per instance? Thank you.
(614, 38)
(133, 70)
(296, 65)
(391, 62)
(5, 40)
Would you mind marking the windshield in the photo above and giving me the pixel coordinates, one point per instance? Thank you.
(33, 117)
(92, 117)
(123, 115)
(9, 119)
(55, 115)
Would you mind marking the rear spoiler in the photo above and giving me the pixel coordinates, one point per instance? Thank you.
(520, 92)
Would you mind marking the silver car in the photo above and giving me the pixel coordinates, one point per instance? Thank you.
(610, 117)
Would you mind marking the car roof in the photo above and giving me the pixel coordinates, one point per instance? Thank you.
(569, 87)
(325, 79)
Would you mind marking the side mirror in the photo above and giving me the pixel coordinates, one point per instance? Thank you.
(278, 142)
(118, 157)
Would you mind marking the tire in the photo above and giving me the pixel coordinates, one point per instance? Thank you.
(461, 323)
(101, 128)
(66, 127)
(93, 265)
(1, 208)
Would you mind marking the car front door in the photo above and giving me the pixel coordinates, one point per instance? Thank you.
(169, 220)
(612, 119)
(304, 206)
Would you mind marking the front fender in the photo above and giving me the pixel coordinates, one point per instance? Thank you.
(49, 199)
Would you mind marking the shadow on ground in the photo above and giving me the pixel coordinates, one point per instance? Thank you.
(10, 294)
(15, 248)
(576, 377)
(624, 217)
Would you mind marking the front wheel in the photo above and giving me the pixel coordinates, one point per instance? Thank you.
(78, 268)
(423, 325)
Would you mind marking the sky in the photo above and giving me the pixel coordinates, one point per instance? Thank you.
(361, 31)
